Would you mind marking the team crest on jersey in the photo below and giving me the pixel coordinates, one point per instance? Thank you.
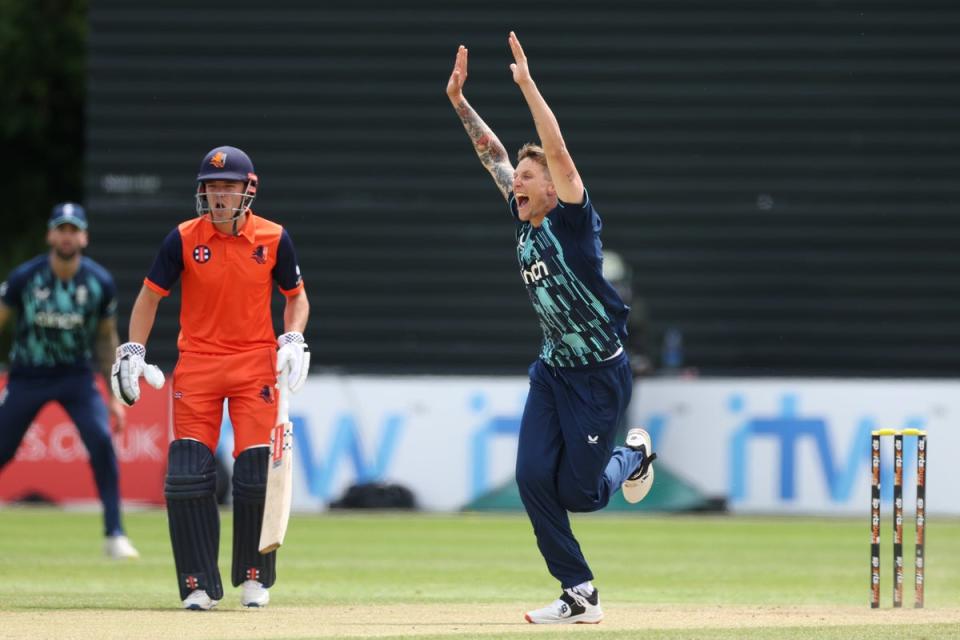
(201, 253)
(523, 238)
(41, 293)
(525, 245)
(260, 254)
(266, 394)
(219, 159)
(82, 295)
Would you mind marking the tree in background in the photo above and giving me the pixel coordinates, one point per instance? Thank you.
(43, 71)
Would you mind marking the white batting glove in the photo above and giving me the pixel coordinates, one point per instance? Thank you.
(127, 369)
(294, 356)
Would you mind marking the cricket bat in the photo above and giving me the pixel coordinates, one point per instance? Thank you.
(276, 510)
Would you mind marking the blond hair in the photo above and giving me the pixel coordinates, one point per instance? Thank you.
(534, 152)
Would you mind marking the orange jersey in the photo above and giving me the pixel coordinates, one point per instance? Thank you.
(227, 283)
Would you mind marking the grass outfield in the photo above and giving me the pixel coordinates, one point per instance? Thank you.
(441, 576)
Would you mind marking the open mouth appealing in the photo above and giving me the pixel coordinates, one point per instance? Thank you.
(522, 200)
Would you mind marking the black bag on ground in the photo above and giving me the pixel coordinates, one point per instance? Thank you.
(376, 495)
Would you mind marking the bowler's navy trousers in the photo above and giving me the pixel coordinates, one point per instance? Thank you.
(566, 459)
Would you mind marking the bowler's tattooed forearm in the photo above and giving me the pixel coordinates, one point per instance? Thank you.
(489, 149)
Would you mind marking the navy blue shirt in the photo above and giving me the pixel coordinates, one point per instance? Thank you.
(57, 320)
(583, 319)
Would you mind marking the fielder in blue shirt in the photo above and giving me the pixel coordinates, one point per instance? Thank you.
(65, 305)
(581, 384)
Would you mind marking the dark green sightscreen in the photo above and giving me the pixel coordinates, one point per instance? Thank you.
(782, 176)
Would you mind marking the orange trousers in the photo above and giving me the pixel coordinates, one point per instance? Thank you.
(247, 380)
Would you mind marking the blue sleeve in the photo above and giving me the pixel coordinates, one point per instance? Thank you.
(580, 217)
(11, 290)
(286, 272)
(108, 305)
(168, 265)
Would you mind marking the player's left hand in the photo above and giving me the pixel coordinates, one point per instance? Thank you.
(294, 356)
(520, 69)
(119, 412)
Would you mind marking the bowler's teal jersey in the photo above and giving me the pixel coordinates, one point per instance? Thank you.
(57, 320)
(582, 317)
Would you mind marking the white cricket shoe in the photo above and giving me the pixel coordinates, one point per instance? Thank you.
(198, 600)
(254, 594)
(638, 485)
(119, 548)
(572, 607)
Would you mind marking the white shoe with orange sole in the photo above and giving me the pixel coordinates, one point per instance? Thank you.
(572, 607)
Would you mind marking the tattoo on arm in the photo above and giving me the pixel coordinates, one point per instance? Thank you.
(489, 149)
(503, 176)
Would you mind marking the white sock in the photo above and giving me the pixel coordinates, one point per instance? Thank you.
(584, 588)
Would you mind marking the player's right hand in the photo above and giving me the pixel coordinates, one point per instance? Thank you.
(459, 75)
(126, 372)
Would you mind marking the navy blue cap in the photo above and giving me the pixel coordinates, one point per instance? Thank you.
(68, 213)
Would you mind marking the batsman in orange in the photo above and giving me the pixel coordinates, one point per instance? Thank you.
(227, 260)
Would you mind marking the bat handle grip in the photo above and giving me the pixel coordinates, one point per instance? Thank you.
(283, 398)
